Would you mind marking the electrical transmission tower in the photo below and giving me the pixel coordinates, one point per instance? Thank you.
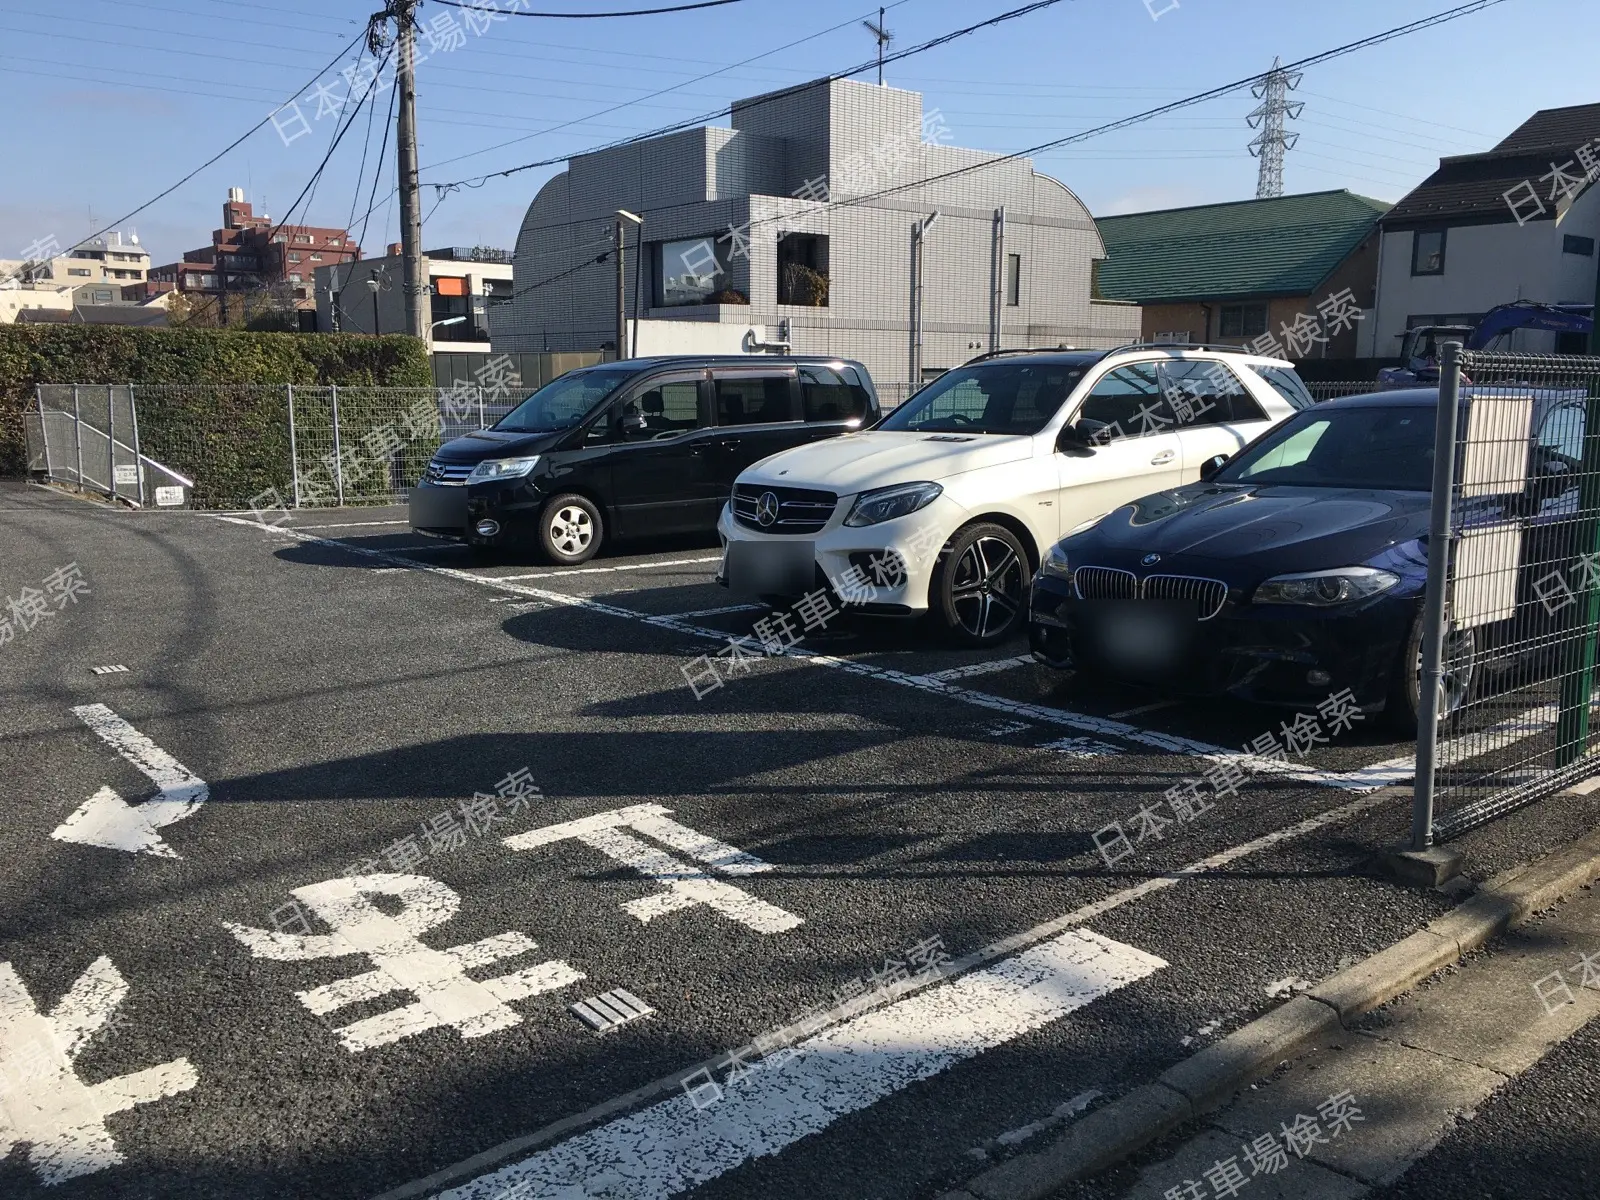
(1272, 141)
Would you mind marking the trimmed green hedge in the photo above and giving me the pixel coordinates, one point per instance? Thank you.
(34, 354)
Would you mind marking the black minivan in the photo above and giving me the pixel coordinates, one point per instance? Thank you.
(632, 449)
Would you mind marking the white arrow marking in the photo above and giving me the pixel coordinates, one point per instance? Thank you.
(106, 819)
(673, 1146)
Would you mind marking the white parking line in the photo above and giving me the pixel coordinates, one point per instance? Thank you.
(982, 668)
(680, 1142)
(671, 562)
(352, 525)
(1142, 709)
(708, 612)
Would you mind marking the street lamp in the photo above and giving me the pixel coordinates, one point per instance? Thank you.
(374, 285)
(622, 281)
(446, 321)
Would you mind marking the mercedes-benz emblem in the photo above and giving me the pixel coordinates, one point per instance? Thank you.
(767, 509)
(1150, 559)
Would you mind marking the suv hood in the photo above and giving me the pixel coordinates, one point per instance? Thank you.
(487, 443)
(858, 462)
(1285, 528)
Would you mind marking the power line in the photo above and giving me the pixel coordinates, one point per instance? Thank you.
(638, 12)
(771, 97)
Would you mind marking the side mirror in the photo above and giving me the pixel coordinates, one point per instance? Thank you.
(1212, 465)
(1073, 439)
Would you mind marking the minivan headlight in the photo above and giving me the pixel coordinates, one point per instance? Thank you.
(885, 504)
(1055, 564)
(502, 468)
(1323, 589)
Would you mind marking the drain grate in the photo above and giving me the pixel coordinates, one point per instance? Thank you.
(608, 1010)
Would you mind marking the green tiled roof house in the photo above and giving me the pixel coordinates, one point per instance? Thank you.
(1233, 272)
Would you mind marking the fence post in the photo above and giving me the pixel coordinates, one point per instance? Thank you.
(338, 457)
(138, 458)
(111, 436)
(1435, 600)
(294, 461)
(481, 423)
(1577, 672)
(44, 429)
(77, 433)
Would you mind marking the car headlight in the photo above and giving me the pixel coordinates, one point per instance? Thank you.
(1055, 564)
(885, 504)
(1323, 589)
(502, 468)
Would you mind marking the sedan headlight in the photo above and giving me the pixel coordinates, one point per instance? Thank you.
(885, 504)
(1323, 589)
(502, 468)
(1055, 564)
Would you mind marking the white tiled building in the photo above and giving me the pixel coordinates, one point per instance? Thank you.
(738, 214)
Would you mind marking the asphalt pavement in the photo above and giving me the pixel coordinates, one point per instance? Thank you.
(371, 869)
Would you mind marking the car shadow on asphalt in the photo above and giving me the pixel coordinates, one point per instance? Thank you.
(445, 553)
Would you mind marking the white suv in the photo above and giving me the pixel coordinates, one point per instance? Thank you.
(947, 503)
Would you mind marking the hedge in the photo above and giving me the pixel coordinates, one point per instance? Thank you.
(35, 354)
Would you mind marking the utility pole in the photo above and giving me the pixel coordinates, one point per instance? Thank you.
(621, 232)
(1272, 141)
(416, 283)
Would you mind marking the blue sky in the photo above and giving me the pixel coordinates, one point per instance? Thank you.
(111, 101)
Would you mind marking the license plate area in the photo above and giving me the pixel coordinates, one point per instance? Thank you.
(771, 568)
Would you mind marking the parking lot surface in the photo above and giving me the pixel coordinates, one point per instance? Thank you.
(369, 869)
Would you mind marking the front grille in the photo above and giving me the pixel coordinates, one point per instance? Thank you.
(1107, 583)
(1103, 583)
(799, 510)
(1207, 595)
(447, 474)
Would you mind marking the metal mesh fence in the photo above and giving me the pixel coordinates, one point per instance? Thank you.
(1517, 611)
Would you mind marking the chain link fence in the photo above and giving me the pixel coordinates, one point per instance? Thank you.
(1509, 637)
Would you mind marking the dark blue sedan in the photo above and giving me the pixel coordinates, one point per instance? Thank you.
(1295, 569)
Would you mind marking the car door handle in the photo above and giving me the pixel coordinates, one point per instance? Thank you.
(1165, 456)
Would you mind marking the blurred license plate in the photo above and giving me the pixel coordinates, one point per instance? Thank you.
(1138, 637)
(771, 568)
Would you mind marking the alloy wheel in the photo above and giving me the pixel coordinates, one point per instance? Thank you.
(571, 529)
(989, 586)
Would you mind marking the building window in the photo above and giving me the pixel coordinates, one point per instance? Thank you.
(1013, 280)
(1243, 320)
(316, 258)
(293, 257)
(1573, 244)
(803, 269)
(294, 277)
(691, 271)
(1172, 337)
(304, 238)
(79, 271)
(335, 241)
(280, 237)
(1427, 252)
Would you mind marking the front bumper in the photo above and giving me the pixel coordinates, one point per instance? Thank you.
(915, 540)
(455, 511)
(1266, 654)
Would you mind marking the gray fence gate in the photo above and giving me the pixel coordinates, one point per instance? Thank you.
(88, 435)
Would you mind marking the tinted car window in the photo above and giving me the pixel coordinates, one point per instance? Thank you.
(998, 397)
(827, 395)
(1208, 393)
(1129, 402)
(670, 409)
(1366, 447)
(563, 402)
(1287, 384)
(753, 400)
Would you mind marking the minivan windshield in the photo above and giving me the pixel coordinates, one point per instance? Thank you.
(563, 402)
(991, 397)
(1387, 447)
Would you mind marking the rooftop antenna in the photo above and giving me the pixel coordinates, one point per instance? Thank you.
(884, 36)
(1272, 141)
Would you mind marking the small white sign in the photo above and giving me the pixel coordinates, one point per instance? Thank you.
(127, 473)
(168, 497)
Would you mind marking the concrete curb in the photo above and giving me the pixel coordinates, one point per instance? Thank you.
(1210, 1078)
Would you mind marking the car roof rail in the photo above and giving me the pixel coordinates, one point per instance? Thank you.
(1222, 346)
(1032, 350)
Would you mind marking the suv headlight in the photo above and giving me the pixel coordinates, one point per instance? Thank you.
(885, 504)
(502, 468)
(1055, 564)
(1323, 589)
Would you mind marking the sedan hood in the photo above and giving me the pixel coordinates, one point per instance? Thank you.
(489, 443)
(1288, 528)
(857, 462)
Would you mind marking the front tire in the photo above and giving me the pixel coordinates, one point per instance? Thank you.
(1457, 681)
(570, 529)
(979, 592)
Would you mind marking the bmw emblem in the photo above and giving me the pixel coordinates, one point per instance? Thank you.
(1150, 560)
(767, 509)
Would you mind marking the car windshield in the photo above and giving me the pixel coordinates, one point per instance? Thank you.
(563, 402)
(1389, 447)
(1015, 398)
